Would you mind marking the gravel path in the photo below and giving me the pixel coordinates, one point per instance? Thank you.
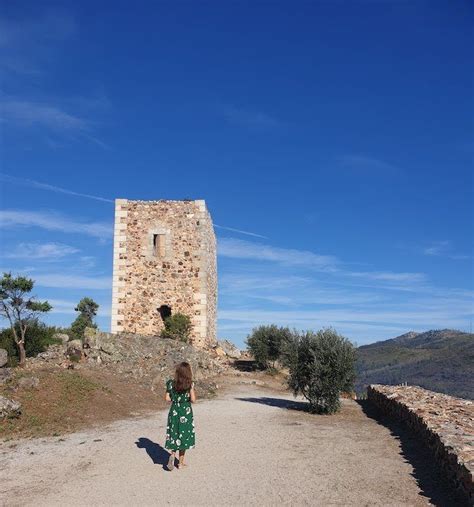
(251, 449)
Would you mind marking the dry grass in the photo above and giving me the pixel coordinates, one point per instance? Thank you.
(68, 400)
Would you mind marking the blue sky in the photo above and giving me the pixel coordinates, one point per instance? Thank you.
(332, 141)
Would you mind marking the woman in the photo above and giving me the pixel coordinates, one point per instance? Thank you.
(180, 429)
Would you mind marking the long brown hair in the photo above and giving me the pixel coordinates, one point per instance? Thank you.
(183, 377)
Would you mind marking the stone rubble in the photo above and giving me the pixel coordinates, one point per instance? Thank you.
(9, 408)
(229, 349)
(148, 359)
(445, 423)
(5, 375)
(3, 358)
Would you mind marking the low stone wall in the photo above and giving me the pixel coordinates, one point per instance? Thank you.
(444, 423)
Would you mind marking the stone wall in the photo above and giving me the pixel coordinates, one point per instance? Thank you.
(444, 423)
(164, 255)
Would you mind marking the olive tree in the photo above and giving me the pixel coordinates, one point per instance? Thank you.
(20, 308)
(322, 367)
(266, 344)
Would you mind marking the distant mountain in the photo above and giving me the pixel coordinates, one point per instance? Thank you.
(441, 360)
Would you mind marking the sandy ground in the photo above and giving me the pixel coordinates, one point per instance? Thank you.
(253, 447)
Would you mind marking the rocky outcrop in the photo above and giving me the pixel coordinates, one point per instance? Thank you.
(149, 358)
(229, 348)
(445, 423)
(52, 354)
(74, 349)
(9, 408)
(3, 358)
(61, 336)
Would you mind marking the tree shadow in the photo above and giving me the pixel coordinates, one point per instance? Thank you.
(279, 402)
(158, 454)
(427, 473)
(245, 365)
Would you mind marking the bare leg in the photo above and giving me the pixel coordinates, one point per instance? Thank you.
(171, 460)
(182, 452)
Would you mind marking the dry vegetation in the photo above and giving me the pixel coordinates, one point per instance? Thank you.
(69, 400)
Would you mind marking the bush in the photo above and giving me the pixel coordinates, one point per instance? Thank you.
(76, 331)
(38, 337)
(87, 309)
(322, 368)
(177, 327)
(266, 344)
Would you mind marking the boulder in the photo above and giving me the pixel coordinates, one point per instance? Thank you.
(74, 349)
(3, 357)
(52, 353)
(28, 382)
(101, 344)
(61, 336)
(74, 346)
(5, 375)
(229, 348)
(219, 351)
(9, 408)
(91, 338)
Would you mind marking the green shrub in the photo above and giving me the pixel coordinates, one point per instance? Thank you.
(87, 309)
(322, 368)
(266, 344)
(177, 327)
(38, 337)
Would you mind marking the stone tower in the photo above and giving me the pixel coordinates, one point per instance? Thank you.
(164, 263)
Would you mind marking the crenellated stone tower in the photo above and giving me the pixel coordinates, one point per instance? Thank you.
(164, 263)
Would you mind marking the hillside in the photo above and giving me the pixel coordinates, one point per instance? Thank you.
(441, 360)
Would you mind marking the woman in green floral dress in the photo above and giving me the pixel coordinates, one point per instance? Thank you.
(180, 429)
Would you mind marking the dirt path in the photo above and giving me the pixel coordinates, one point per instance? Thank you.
(251, 449)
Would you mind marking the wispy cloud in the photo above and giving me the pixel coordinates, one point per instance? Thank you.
(240, 231)
(53, 222)
(65, 281)
(371, 323)
(326, 317)
(443, 249)
(45, 251)
(256, 120)
(46, 186)
(241, 249)
(61, 306)
(27, 44)
(27, 113)
(28, 47)
(291, 290)
(438, 248)
(328, 264)
(389, 276)
(367, 164)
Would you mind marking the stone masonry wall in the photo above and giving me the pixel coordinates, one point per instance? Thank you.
(177, 270)
(444, 423)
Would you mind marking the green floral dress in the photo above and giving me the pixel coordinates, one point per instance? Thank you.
(180, 430)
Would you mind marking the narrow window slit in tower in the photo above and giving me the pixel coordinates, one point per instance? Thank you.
(159, 245)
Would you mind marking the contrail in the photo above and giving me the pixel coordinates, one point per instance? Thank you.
(240, 232)
(45, 186)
